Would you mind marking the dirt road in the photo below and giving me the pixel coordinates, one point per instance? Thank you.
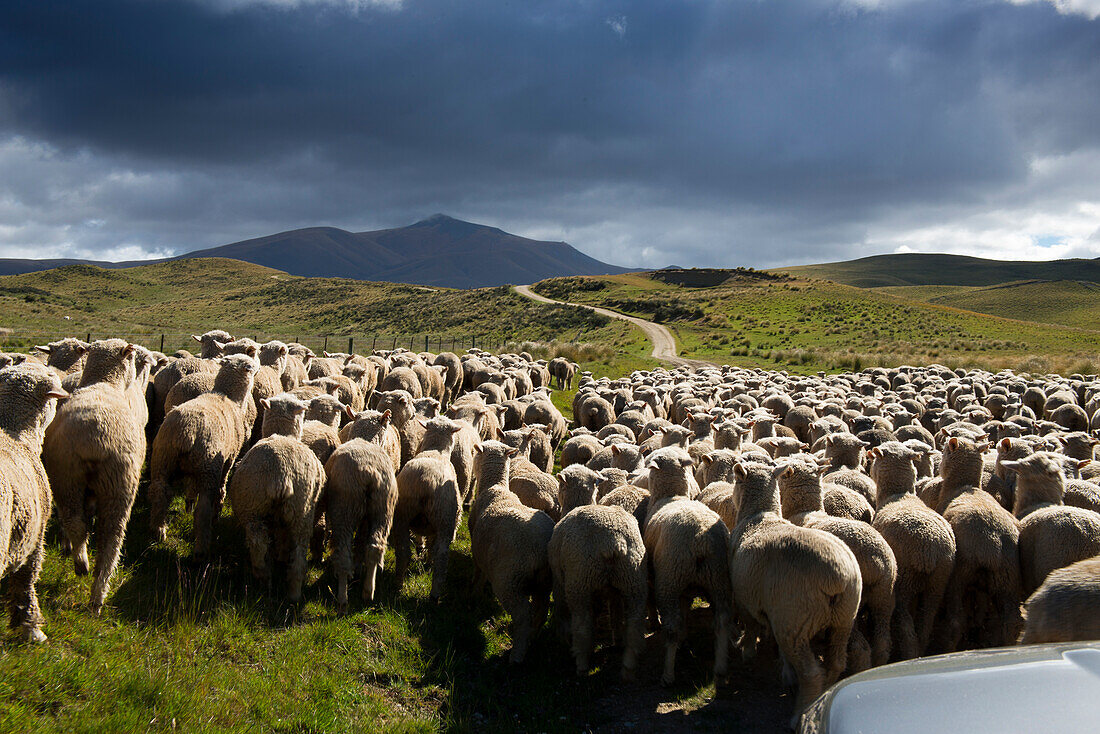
(664, 343)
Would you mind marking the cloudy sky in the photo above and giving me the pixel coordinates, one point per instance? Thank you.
(644, 132)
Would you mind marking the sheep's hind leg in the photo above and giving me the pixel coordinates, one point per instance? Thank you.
(23, 599)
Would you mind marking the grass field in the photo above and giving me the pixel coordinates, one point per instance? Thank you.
(191, 296)
(1066, 302)
(809, 325)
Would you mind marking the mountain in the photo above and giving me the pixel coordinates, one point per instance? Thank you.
(911, 269)
(437, 251)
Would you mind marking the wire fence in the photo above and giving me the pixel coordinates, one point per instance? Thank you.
(11, 340)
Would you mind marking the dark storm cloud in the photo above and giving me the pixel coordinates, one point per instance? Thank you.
(644, 132)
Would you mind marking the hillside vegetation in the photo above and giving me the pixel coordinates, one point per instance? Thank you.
(1067, 302)
(810, 325)
(190, 296)
(933, 269)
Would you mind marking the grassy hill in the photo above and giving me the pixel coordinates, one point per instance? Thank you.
(190, 296)
(932, 269)
(809, 325)
(1066, 302)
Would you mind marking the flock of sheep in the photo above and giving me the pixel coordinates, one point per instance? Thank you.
(848, 520)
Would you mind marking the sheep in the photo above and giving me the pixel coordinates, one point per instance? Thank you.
(360, 499)
(923, 545)
(402, 378)
(687, 546)
(1064, 608)
(274, 491)
(1052, 535)
(28, 395)
(322, 421)
(797, 582)
(534, 487)
(199, 441)
(670, 474)
(410, 431)
(376, 427)
(577, 486)
(803, 504)
(93, 453)
(987, 552)
(509, 543)
(428, 502)
(579, 449)
(65, 356)
(452, 376)
(721, 497)
(595, 552)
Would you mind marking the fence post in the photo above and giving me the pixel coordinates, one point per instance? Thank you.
(351, 349)
(162, 343)
(325, 348)
(89, 339)
(394, 344)
(373, 341)
(425, 342)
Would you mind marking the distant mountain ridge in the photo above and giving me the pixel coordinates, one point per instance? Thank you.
(909, 269)
(437, 251)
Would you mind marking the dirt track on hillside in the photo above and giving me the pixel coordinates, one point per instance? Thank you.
(664, 343)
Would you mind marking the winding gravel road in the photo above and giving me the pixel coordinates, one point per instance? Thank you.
(664, 344)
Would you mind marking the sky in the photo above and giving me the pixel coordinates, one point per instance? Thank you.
(644, 132)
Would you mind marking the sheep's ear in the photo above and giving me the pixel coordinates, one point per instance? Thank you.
(479, 447)
(387, 416)
(327, 353)
(43, 348)
(300, 408)
(196, 338)
(283, 351)
(82, 348)
(510, 451)
(739, 471)
(752, 423)
(707, 459)
(421, 421)
(456, 428)
(1011, 465)
(615, 450)
(1006, 444)
(787, 472)
(561, 480)
(61, 395)
(349, 412)
(1083, 463)
(129, 349)
(875, 453)
(332, 388)
(823, 469)
(250, 350)
(266, 403)
(953, 443)
(219, 345)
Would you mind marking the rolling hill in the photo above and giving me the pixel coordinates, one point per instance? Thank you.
(912, 269)
(437, 251)
(1067, 302)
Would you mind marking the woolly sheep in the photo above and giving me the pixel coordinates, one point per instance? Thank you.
(596, 552)
(1064, 608)
(803, 504)
(360, 499)
(923, 545)
(687, 546)
(198, 442)
(28, 395)
(93, 454)
(798, 582)
(274, 493)
(509, 543)
(428, 502)
(1052, 535)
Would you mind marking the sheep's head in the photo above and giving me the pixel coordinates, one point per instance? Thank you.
(577, 486)
(212, 343)
(671, 463)
(1042, 464)
(492, 453)
(64, 354)
(29, 394)
(328, 409)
